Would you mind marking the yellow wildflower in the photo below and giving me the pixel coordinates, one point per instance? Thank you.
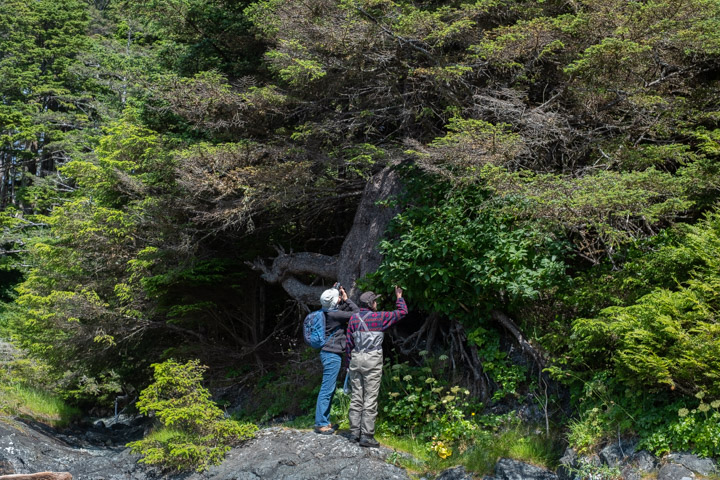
(442, 450)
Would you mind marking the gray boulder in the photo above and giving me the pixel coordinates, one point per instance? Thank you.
(703, 466)
(673, 471)
(643, 461)
(456, 473)
(568, 462)
(639, 465)
(508, 469)
(629, 473)
(615, 453)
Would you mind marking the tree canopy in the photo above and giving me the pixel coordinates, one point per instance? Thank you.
(173, 172)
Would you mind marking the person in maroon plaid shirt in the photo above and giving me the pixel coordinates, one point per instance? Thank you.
(365, 357)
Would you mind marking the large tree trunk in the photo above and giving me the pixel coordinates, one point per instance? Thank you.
(358, 255)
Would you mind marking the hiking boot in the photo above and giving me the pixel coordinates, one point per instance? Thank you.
(368, 441)
(326, 430)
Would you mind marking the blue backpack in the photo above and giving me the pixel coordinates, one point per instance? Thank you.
(314, 329)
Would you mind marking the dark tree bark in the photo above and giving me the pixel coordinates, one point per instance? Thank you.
(358, 255)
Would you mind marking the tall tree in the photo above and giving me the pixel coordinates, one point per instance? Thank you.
(44, 103)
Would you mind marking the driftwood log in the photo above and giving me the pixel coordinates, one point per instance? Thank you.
(38, 476)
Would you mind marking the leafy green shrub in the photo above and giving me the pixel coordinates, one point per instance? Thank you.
(632, 366)
(457, 244)
(340, 408)
(422, 406)
(508, 376)
(654, 263)
(196, 434)
(589, 430)
(667, 340)
(606, 408)
(496, 436)
(587, 469)
(460, 255)
(696, 430)
(603, 409)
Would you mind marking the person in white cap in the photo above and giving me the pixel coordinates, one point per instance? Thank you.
(338, 309)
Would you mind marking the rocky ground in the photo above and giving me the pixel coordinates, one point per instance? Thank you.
(294, 454)
(275, 453)
(97, 452)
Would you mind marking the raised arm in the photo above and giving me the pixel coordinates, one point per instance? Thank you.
(346, 304)
(390, 318)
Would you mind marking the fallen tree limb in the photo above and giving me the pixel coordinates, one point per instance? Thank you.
(38, 476)
(514, 330)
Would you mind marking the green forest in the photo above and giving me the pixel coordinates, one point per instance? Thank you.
(179, 179)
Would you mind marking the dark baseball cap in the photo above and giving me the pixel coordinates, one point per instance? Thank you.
(367, 299)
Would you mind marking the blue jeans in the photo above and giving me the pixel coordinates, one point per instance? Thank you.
(331, 367)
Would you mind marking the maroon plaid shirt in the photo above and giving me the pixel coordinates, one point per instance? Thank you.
(375, 321)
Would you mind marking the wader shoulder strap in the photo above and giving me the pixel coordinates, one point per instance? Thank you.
(362, 321)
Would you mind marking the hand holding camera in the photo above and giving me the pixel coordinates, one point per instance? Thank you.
(341, 289)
